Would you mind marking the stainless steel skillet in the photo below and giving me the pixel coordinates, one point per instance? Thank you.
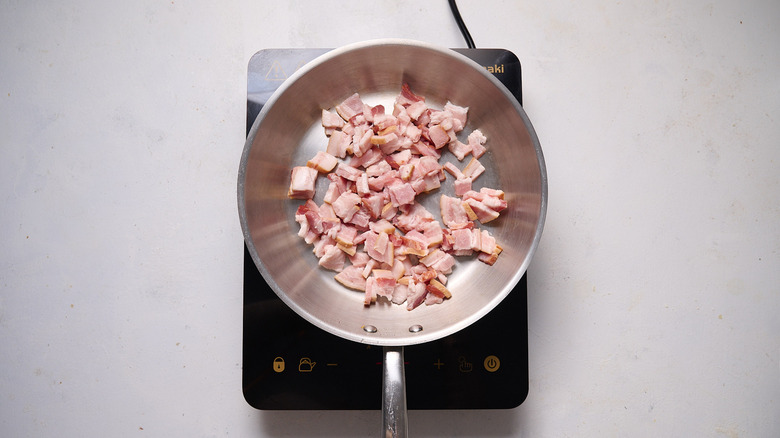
(287, 132)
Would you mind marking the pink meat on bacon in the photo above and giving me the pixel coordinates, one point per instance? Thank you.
(331, 120)
(333, 259)
(351, 277)
(473, 169)
(323, 162)
(302, 182)
(453, 214)
(338, 143)
(350, 107)
(459, 149)
(459, 115)
(416, 296)
(477, 141)
(346, 205)
(401, 193)
(438, 136)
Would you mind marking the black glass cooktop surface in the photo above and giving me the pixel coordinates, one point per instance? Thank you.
(289, 364)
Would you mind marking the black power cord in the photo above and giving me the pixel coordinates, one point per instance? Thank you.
(461, 25)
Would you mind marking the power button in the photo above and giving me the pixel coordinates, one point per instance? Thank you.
(492, 363)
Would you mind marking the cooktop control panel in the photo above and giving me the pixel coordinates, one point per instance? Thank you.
(289, 364)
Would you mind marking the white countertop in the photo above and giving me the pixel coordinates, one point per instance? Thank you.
(653, 298)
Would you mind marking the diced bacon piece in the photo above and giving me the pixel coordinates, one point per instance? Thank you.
(305, 232)
(487, 243)
(302, 182)
(321, 246)
(361, 185)
(359, 259)
(350, 107)
(401, 193)
(406, 171)
(453, 214)
(323, 162)
(459, 115)
(348, 172)
(425, 166)
(373, 204)
(361, 142)
(333, 192)
(379, 182)
(379, 168)
(438, 136)
(483, 213)
(427, 183)
(331, 120)
(412, 132)
(422, 149)
(346, 235)
(476, 239)
(440, 116)
(453, 170)
(346, 205)
(432, 299)
(369, 157)
(415, 243)
(413, 217)
(491, 258)
(382, 240)
(435, 287)
(369, 266)
(473, 169)
(398, 159)
(462, 186)
(379, 248)
(494, 203)
(382, 226)
(492, 192)
(400, 293)
(433, 233)
(416, 296)
(462, 240)
(477, 140)
(338, 143)
(416, 109)
(361, 219)
(407, 96)
(439, 261)
(328, 217)
(398, 269)
(385, 121)
(351, 277)
(388, 143)
(370, 296)
(388, 211)
(459, 149)
(385, 282)
(333, 259)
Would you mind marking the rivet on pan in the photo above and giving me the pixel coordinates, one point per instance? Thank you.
(415, 328)
(369, 328)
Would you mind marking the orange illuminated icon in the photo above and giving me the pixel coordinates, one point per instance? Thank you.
(306, 365)
(492, 363)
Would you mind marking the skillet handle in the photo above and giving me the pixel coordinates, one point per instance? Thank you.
(393, 394)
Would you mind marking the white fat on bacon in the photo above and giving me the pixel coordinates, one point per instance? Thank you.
(370, 228)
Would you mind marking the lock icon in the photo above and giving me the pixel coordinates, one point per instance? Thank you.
(278, 364)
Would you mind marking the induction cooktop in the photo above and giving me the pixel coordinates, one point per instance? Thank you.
(289, 364)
